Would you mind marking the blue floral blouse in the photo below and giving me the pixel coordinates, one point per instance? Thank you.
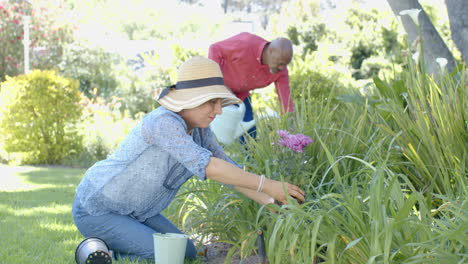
(143, 175)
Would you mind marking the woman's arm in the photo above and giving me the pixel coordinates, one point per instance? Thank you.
(225, 172)
(259, 197)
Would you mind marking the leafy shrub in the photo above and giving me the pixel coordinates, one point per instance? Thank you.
(136, 88)
(378, 66)
(307, 36)
(39, 113)
(304, 75)
(103, 127)
(92, 67)
(92, 152)
(360, 52)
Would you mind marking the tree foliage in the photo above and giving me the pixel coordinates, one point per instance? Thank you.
(92, 67)
(50, 29)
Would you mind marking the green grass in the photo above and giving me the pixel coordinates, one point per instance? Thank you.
(36, 225)
(35, 215)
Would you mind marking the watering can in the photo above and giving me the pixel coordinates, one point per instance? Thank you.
(229, 125)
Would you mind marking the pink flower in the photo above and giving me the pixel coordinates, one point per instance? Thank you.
(15, 21)
(282, 133)
(296, 142)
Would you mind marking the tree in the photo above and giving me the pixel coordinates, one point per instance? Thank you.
(50, 30)
(458, 15)
(433, 45)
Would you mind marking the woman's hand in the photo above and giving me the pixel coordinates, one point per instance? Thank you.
(224, 172)
(276, 190)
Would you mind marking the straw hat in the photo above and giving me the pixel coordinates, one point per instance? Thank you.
(199, 80)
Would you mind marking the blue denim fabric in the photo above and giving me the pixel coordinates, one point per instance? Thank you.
(248, 116)
(126, 236)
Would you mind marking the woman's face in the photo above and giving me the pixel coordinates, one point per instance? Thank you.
(202, 115)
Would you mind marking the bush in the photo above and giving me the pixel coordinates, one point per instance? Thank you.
(92, 67)
(134, 91)
(38, 116)
(304, 74)
(103, 127)
(136, 88)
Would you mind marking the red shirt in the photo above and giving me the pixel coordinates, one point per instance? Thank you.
(239, 58)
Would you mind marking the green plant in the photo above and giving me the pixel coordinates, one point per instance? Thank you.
(306, 75)
(135, 91)
(102, 128)
(432, 120)
(363, 199)
(136, 88)
(92, 67)
(307, 36)
(372, 221)
(39, 113)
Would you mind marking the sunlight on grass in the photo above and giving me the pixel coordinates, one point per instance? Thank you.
(11, 182)
(56, 226)
(35, 214)
(15, 179)
(57, 209)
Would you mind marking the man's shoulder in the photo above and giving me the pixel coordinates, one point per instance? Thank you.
(249, 36)
(243, 37)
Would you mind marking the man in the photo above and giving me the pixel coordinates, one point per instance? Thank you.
(250, 62)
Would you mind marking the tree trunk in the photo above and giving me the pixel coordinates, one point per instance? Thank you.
(458, 15)
(226, 3)
(433, 45)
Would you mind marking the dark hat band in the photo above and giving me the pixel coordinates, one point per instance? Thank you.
(193, 84)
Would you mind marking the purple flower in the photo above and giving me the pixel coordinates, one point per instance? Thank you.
(282, 133)
(296, 142)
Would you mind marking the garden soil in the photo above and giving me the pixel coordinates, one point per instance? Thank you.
(216, 254)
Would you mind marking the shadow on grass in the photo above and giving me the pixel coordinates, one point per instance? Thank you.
(56, 176)
(36, 226)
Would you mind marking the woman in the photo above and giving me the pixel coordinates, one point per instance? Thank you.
(120, 199)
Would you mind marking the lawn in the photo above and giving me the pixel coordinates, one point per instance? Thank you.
(36, 225)
(35, 214)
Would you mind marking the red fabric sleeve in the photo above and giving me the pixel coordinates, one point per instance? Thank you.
(284, 92)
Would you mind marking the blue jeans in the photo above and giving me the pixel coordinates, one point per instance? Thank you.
(248, 116)
(126, 236)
